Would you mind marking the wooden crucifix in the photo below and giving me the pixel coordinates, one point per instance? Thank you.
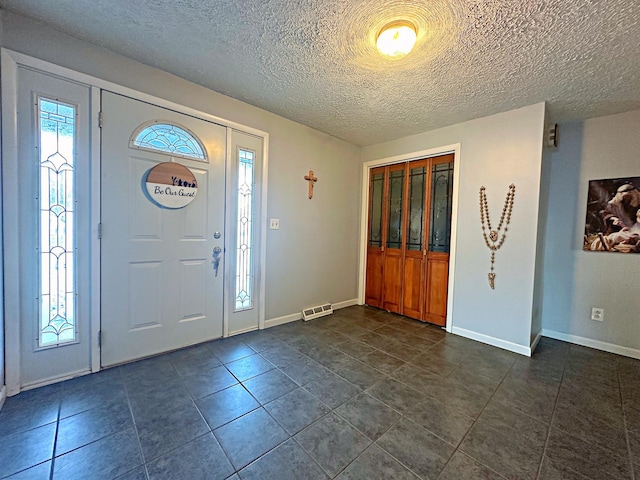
(311, 179)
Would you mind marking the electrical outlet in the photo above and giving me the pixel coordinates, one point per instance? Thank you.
(274, 224)
(597, 314)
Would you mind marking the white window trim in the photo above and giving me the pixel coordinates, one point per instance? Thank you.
(9, 62)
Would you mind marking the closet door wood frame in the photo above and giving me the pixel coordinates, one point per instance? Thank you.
(392, 280)
(376, 236)
(418, 179)
(405, 272)
(437, 264)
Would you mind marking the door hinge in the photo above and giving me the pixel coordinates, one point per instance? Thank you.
(100, 338)
(100, 119)
(99, 231)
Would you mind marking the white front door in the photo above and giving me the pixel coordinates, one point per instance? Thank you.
(160, 288)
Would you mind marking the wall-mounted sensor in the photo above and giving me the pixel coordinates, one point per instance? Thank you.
(552, 138)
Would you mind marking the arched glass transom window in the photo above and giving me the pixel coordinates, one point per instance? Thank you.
(168, 138)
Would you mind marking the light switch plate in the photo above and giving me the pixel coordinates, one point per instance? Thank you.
(274, 224)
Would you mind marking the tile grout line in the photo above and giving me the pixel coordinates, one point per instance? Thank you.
(298, 386)
(582, 438)
(133, 420)
(553, 414)
(55, 438)
(292, 437)
(473, 460)
(325, 342)
(404, 416)
(457, 448)
(624, 420)
(382, 373)
(334, 412)
(260, 405)
(226, 454)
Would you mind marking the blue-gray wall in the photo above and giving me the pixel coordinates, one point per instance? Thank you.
(575, 280)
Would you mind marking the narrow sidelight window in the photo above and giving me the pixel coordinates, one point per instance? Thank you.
(244, 231)
(57, 223)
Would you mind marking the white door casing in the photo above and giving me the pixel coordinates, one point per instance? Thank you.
(159, 288)
(88, 241)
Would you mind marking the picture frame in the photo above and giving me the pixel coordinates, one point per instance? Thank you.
(612, 223)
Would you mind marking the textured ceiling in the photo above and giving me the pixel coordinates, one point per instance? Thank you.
(314, 61)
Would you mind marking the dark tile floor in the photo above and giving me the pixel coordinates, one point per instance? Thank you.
(361, 394)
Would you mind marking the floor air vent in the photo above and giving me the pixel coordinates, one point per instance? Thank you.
(315, 312)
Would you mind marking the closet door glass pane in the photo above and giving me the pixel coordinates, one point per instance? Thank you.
(415, 224)
(441, 199)
(375, 209)
(394, 233)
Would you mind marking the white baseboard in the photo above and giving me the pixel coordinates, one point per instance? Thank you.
(346, 303)
(535, 342)
(3, 395)
(244, 330)
(496, 342)
(52, 380)
(588, 342)
(273, 322)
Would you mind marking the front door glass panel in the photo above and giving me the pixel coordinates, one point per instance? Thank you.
(168, 138)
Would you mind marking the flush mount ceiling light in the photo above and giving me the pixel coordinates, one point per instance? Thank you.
(396, 39)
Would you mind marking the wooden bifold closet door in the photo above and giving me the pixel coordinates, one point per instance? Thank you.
(408, 238)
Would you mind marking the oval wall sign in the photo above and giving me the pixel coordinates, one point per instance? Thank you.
(171, 185)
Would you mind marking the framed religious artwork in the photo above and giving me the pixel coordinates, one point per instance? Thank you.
(613, 216)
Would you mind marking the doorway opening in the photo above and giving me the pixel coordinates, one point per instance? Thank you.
(408, 235)
(54, 306)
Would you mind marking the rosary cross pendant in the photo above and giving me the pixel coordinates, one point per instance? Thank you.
(492, 278)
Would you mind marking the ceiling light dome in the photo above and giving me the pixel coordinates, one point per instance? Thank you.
(396, 39)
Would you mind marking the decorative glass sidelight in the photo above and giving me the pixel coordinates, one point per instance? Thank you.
(57, 137)
(244, 264)
(441, 205)
(169, 139)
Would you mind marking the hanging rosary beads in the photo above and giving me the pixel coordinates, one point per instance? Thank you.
(495, 239)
